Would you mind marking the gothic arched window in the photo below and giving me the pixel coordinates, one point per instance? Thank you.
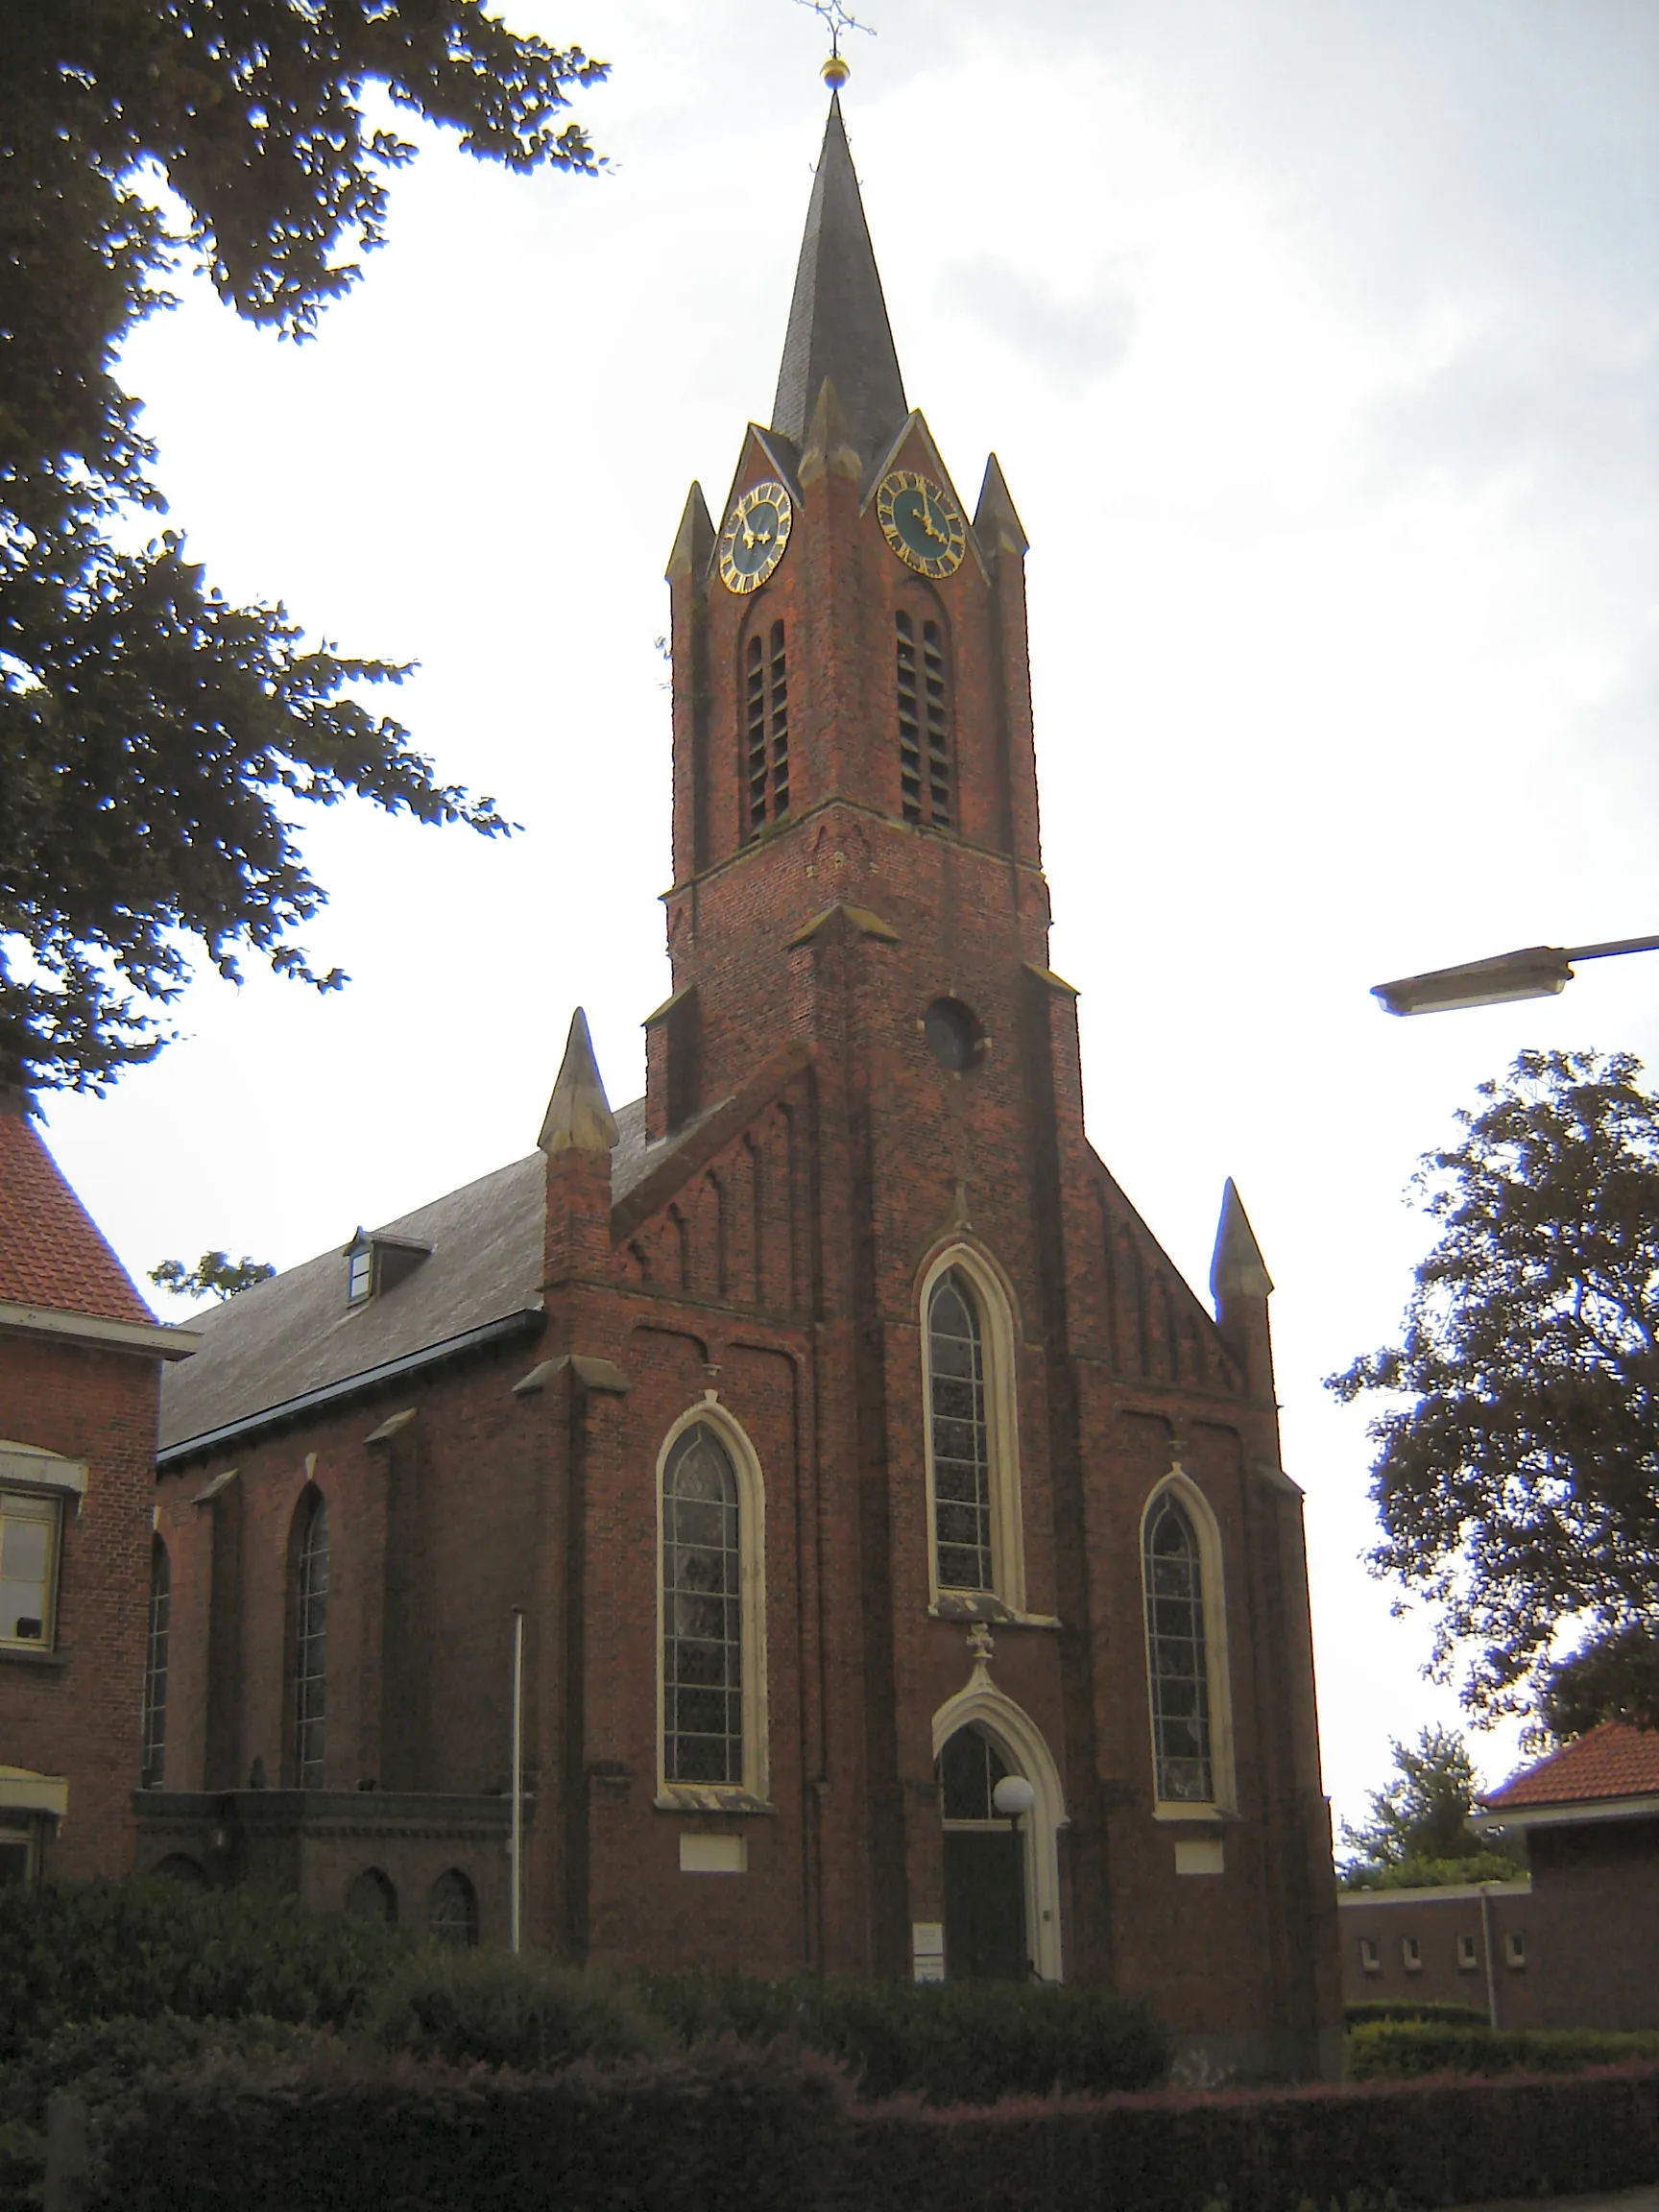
(156, 1668)
(452, 1910)
(924, 721)
(1185, 1647)
(972, 1450)
(765, 731)
(702, 1612)
(310, 1642)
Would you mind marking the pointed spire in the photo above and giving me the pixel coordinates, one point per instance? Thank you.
(995, 524)
(839, 324)
(694, 540)
(578, 1117)
(1238, 1269)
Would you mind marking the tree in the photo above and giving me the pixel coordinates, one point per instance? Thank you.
(1419, 1834)
(151, 734)
(216, 1275)
(1518, 1487)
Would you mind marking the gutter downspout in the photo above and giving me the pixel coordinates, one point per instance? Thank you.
(1486, 1943)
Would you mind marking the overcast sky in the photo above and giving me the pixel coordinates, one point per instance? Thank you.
(1317, 339)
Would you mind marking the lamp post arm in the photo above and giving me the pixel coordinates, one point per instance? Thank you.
(1534, 971)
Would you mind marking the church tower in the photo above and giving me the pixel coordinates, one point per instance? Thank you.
(909, 1581)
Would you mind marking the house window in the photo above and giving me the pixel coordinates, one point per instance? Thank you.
(29, 1545)
(1370, 1954)
(702, 1612)
(1178, 1655)
(1411, 1953)
(766, 731)
(1466, 1959)
(359, 1271)
(311, 1645)
(1515, 1949)
(923, 722)
(452, 1910)
(961, 1437)
(154, 1765)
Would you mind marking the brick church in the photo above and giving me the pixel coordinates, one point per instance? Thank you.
(909, 1582)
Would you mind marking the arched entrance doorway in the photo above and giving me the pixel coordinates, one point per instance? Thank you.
(985, 1914)
(985, 1714)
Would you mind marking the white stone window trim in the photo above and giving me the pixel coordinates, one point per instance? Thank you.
(31, 1467)
(751, 1795)
(1024, 1751)
(1223, 1804)
(1000, 1349)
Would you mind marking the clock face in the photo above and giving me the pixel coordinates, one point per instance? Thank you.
(755, 534)
(921, 523)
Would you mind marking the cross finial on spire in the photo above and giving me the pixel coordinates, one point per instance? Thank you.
(839, 18)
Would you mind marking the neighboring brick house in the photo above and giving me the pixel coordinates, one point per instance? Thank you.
(1468, 1943)
(81, 1616)
(1590, 1814)
(843, 1437)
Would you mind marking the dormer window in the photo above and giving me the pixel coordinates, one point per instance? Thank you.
(376, 1264)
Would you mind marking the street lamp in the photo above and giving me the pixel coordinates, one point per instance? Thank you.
(1535, 971)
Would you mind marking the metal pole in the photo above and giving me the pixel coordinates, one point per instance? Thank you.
(518, 1846)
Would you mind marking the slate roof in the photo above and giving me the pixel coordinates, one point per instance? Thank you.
(1613, 1761)
(52, 1252)
(295, 1335)
(838, 325)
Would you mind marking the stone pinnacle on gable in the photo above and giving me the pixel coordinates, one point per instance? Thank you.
(838, 325)
(995, 523)
(1238, 1269)
(579, 1116)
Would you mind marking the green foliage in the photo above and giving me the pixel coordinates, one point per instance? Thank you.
(1406, 2009)
(1517, 1473)
(486, 2007)
(721, 2126)
(108, 2063)
(216, 1275)
(1418, 1835)
(151, 732)
(1615, 1678)
(105, 1950)
(1398, 2049)
(948, 2043)
(729, 2127)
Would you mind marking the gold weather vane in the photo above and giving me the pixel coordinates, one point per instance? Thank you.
(839, 19)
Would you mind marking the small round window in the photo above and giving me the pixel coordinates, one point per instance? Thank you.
(953, 1034)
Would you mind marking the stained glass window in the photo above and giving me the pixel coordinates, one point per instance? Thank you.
(702, 1612)
(310, 1649)
(1179, 1668)
(961, 1436)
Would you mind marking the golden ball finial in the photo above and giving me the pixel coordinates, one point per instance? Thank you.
(836, 72)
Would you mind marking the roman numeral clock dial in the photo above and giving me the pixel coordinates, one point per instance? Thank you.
(755, 535)
(921, 523)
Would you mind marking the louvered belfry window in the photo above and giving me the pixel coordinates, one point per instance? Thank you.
(702, 1612)
(924, 723)
(1177, 1659)
(767, 732)
(961, 1437)
(310, 1649)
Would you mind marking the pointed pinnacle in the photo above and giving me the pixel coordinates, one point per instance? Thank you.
(995, 524)
(578, 1117)
(1238, 1269)
(838, 323)
(694, 540)
(828, 439)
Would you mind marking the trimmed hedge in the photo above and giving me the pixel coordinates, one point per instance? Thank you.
(1403, 2008)
(948, 2043)
(728, 2127)
(1399, 2050)
(105, 1950)
(485, 2007)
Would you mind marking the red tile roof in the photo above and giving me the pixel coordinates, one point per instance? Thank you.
(1613, 1761)
(51, 1252)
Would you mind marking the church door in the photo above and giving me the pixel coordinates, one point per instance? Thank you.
(985, 1938)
